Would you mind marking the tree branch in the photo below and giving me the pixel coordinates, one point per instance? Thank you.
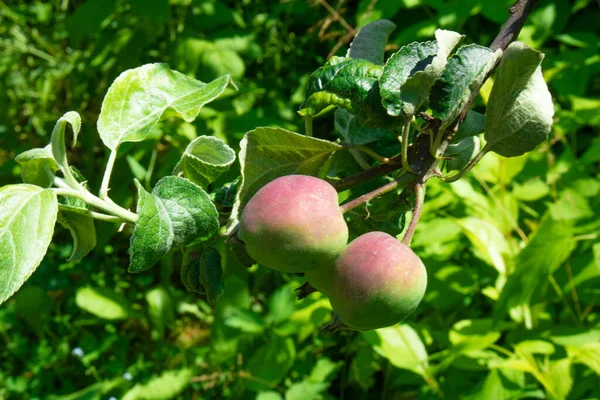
(388, 187)
(368, 175)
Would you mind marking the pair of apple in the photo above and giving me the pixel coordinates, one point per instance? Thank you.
(294, 224)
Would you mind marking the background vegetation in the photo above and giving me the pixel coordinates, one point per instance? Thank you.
(518, 240)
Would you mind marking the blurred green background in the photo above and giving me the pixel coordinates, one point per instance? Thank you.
(92, 331)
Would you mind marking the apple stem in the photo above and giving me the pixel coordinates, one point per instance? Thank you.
(419, 189)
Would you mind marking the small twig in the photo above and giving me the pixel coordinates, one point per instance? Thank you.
(388, 187)
(337, 16)
(366, 176)
(419, 200)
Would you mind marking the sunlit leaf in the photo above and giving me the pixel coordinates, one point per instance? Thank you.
(103, 303)
(27, 218)
(141, 97)
(166, 386)
(205, 159)
(37, 166)
(176, 213)
(519, 111)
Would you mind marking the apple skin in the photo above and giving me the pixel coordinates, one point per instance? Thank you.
(294, 224)
(377, 282)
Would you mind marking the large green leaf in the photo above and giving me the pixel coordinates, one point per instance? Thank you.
(519, 111)
(268, 153)
(163, 387)
(349, 83)
(410, 73)
(27, 218)
(369, 43)
(417, 87)
(462, 76)
(141, 97)
(401, 345)
(205, 159)
(548, 248)
(399, 67)
(37, 166)
(176, 213)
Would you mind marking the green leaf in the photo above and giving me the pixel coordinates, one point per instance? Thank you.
(410, 73)
(27, 218)
(57, 142)
(37, 166)
(353, 132)
(282, 304)
(268, 396)
(349, 83)
(462, 76)
(471, 126)
(399, 67)
(268, 153)
(501, 383)
(205, 159)
(417, 87)
(531, 190)
(177, 213)
(83, 232)
(190, 274)
(271, 362)
(548, 248)
(306, 390)
(473, 334)
(461, 153)
(519, 111)
(141, 97)
(245, 320)
(163, 387)
(488, 241)
(571, 205)
(103, 303)
(401, 345)
(369, 43)
(211, 273)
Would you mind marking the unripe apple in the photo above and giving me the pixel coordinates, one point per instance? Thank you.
(294, 224)
(377, 282)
